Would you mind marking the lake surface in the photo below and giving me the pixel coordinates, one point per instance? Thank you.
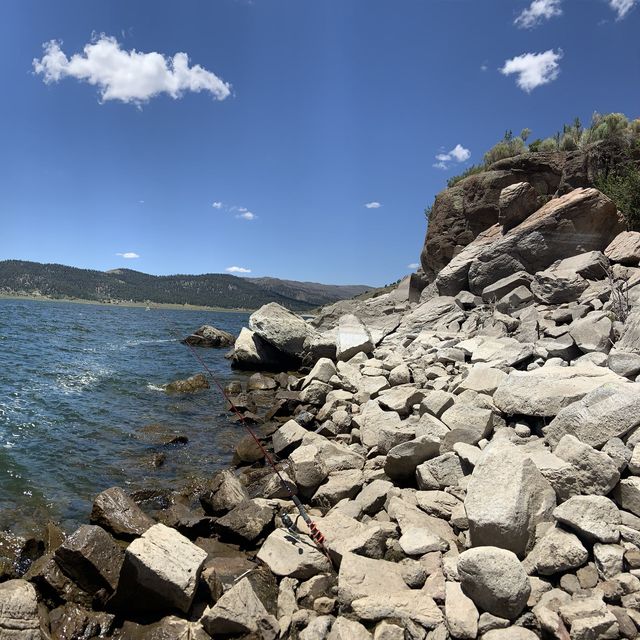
(82, 408)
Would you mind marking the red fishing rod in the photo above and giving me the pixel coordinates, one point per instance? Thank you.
(315, 533)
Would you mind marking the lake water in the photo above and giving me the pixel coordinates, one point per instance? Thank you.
(82, 408)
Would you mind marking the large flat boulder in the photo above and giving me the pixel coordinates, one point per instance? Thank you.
(548, 390)
(352, 337)
(251, 352)
(507, 497)
(625, 248)
(609, 411)
(580, 221)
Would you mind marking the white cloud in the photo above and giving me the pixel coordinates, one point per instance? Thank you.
(413, 265)
(373, 205)
(538, 11)
(247, 215)
(622, 7)
(484, 67)
(129, 255)
(216, 205)
(237, 270)
(128, 76)
(457, 154)
(533, 69)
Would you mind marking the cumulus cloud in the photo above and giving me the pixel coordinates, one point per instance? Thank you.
(537, 12)
(622, 7)
(247, 215)
(237, 270)
(413, 265)
(128, 76)
(373, 205)
(457, 154)
(533, 69)
(216, 205)
(129, 255)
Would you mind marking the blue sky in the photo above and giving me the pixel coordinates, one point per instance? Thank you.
(298, 116)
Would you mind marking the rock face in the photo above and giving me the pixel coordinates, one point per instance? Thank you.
(495, 580)
(584, 218)
(19, 618)
(161, 569)
(507, 498)
(208, 336)
(460, 213)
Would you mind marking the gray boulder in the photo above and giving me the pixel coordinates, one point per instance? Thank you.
(250, 352)
(556, 287)
(161, 570)
(19, 619)
(505, 286)
(239, 610)
(594, 518)
(594, 332)
(208, 336)
(556, 552)
(352, 338)
(591, 265)
(609, 411)
(625, 248)
(460, 613)
(116, 512)
(495, 580)
(507, 497)
(289, 556)
(547, 390)
(281, 328)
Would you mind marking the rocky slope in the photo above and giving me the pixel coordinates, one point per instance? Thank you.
(469, 449)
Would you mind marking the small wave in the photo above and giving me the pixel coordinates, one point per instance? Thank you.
(134, 343)
(155, 387)
(77, 382)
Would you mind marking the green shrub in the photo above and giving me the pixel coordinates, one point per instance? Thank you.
(506, 148)
(548, 144)
(623, 187)
(473, 169)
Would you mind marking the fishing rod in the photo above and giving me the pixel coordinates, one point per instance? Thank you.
(315, 533)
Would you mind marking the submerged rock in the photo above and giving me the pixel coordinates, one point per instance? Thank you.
(208, 336)
(189, 385)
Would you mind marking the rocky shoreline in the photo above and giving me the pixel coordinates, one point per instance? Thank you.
(469, 446)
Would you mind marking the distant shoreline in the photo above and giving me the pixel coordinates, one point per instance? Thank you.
(123, 303)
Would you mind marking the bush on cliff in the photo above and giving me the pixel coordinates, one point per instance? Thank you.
(623, 187)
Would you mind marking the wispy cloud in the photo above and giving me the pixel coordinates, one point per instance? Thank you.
(242, 213)
(237, 270)
(533, 69)
(484, 67)
(537, 12)
(216, 205)
(127, 76)
(413, 265)
(247, 215)
(373, 205)
(622, 7)
(457, 154)
(129, 255)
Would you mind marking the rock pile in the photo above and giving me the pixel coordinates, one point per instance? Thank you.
(472, 459)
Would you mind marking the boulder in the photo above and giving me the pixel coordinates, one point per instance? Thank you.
(345, 629)
(19, 619)
(440, 472)
(555, 287)
(481, 379)
(495, 580)
(402, 460)
(250, 352)
(189, 385)
(91, 558)
(594, 518)
(594, 332)
(625, 248)
(556, 552)
(260, 382)
(116, 512)
(225, 493)
(582, 220)
(594, 471)
(514, 301)
(246, 522)
(507, 497)
(401, 399)
(460, 613)
(623, 363)
(496, 352)
(363, 577)
(208, 336)
(517, 202)
(239, 610)
(609, 411)
(161, 570)
(547, 390)
(281, 328)
(352, 338)
(405, 606)
(505, 286)
(323, 370)
(591, 265)
(627, 494)
(291, 556)
(288, 436)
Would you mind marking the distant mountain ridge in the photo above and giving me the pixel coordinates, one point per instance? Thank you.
(20, 277)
